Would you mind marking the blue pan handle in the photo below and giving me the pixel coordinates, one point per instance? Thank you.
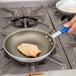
(62, 30)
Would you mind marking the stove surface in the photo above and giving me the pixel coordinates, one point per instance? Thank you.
(68, 42)
(48, 23)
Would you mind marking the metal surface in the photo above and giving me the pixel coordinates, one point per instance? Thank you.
(56, 34)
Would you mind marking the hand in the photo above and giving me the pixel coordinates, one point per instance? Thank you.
(72, 24)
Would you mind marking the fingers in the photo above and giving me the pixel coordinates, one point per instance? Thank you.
(71, 22)
(72, 29)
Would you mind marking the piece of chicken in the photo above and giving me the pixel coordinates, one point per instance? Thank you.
(28, 49)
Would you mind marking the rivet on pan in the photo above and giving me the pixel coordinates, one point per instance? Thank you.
(49, 39)
(46, 36)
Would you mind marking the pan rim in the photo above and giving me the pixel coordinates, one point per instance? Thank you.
(22, 58)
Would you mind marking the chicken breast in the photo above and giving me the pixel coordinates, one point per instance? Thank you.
(28, 49)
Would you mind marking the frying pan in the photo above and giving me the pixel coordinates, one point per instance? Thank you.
(66, 7)
(44, 41)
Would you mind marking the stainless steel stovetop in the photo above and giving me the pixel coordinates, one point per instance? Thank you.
(62, 57)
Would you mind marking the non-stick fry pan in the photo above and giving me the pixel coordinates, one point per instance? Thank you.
(44, 41)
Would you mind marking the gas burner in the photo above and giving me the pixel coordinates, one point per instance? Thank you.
(25, 21)
(20, 22)
(21, 19)
(62, 16)
(66, 17)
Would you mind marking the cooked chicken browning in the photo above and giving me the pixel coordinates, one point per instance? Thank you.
(28, 49)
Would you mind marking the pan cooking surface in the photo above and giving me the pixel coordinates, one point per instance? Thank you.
(40, 39)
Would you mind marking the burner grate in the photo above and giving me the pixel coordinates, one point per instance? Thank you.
(63, 16)
(20, 22)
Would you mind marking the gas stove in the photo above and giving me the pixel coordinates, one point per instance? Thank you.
(13, 19)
